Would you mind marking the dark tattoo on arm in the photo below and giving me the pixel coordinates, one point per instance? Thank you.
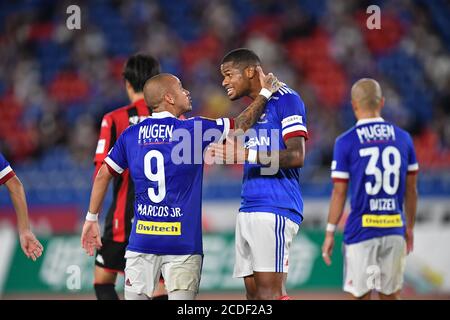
(292, 157)
(247, 118)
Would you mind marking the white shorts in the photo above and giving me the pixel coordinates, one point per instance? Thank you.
(262, 243)
(142, 272)
(375, 264)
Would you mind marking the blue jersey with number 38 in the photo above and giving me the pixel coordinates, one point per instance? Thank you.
(375, 156)
(164, 156)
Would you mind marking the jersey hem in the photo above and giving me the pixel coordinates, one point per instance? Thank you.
(294, 217)
(163, 252)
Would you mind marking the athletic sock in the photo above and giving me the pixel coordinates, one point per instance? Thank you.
(105, 291)
(161, 297)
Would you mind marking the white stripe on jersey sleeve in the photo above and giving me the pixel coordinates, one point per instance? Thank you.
(226, 128)
(113, 165)
(340, 174)
(282, 90)
(291, 120)
(413, 167)
(297, 127)
(5, 171)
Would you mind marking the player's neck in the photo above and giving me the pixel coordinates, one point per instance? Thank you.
(368, 115)
(165, 109)
(255, 88)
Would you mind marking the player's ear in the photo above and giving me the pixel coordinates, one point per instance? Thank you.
(354, 106)
(128, 86)
(382, 103)
(169, 99)
(250, 72)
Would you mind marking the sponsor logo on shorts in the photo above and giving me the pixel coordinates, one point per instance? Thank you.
(158, 228)
(382, 221)
(99, 259)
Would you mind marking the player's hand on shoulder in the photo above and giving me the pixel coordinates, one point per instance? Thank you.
(90, 237)
(230, 152)
(269, 81)
(30, 245)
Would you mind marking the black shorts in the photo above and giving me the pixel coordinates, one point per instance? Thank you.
(111, 256)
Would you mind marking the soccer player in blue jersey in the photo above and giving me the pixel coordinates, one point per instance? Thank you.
(272, 206)
(165, 159)
(378, 160)
(30, 245)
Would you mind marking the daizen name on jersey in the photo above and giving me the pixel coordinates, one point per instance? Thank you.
(375, 156)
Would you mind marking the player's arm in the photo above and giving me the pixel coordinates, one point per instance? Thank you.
(291, 157)
(411, 196)
(247, 118)
(340, 173)
(337, 203)
(105, 141)
(410, 209)
(90, 236)
(30, 245)
(17, 195)
(99, 188)
(113, 165)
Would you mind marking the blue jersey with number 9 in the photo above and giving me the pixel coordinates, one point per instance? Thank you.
(165, 159)
(375, 156)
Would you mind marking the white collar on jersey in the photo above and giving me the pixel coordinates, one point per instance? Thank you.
(369, 120)
(162, 114)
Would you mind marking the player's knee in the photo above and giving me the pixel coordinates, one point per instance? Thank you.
(366, 296)
(182, 295)
(135, 296)
(102, 276)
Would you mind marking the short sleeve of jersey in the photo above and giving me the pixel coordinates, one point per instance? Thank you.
(292, 113)
(117, 157)
(340, 164)
(104, 144)
(413, 165)
(6, 172)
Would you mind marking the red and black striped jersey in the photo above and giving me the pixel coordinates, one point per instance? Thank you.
(120, 212)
